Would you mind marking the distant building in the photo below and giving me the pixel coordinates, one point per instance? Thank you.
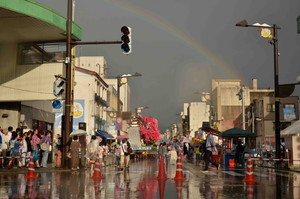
(264, 114)
(90, 92)
(226, 103)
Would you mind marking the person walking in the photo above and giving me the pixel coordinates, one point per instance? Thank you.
(92, 150)
(163, 150)
(45, 147)
(74, 148)
(126, 156)
(210, 146)
(117, 152)
(239, 151)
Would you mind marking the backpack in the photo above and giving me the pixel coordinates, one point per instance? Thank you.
(203, 147)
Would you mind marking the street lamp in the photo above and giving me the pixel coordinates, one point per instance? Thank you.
(270, 33)
(122, 79)
(138, 110)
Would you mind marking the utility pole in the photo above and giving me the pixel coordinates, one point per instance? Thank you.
(68, 100)
(69, 94)
(277, 98)
(241, 95)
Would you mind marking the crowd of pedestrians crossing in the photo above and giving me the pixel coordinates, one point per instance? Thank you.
(16, 147)
(191, 153)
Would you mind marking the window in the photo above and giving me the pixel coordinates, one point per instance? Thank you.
(289, 106)
(271, 107)
(39, 53)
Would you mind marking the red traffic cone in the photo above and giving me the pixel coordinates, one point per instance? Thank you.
(250, 189)
(179, 188)
(179, 170)
(97, 188)
(161, 183)
(30, 187)
(249, 172)
(31, 170)
(162, 170)
(97, 172)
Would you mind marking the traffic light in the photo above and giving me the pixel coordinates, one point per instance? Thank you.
(126, 40)
(58, 89)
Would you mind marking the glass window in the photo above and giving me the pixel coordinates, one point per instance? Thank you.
(289, 106)
(271, 107)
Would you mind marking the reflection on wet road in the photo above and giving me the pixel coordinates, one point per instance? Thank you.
(140, 182)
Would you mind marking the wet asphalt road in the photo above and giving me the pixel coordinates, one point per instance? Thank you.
(140, 182)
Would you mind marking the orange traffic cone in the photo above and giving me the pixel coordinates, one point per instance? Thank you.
(31, 170)
(249, 172)
(179, 170)
(162, 183)
(250, 189)
(162, 170)
(97, 172)
(179, 188)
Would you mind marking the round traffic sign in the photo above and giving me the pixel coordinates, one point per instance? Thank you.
(56, 104)
(119, 120)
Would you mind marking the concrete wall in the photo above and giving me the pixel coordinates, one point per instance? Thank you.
(125, 93)
(12, 110)
(93, 63)
(199, 113)
(25, 82)
(33, 110)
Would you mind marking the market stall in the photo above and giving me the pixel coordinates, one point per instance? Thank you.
(230, 138)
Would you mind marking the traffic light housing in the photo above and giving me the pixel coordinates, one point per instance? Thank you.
(58, 88)
(126, 40)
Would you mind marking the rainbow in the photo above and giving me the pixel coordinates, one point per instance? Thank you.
(182, 36)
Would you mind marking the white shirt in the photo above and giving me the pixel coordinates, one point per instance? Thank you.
(5, 141)
(123, 148)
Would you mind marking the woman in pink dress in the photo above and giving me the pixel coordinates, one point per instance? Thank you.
(35, 141)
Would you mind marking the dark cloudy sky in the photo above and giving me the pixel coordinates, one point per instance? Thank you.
(179, 46)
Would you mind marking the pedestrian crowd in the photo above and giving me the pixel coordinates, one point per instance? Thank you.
(16, 147)
(121, 151)
(191, 153)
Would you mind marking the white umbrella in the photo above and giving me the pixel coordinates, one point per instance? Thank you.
(78, 132)
(186, 140)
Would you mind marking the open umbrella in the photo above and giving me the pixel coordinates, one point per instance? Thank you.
(163, 140)
(236, 133)
(78, 132)
(120, 137)
(186, 140)
(113, 144)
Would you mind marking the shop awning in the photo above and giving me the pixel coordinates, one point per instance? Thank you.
(104, 134)
(237, 132)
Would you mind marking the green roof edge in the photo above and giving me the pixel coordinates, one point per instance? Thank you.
(41, 12)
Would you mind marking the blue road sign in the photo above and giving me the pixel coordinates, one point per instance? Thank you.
(119, 127)
(56, 104)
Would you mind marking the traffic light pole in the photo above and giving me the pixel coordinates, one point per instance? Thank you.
(69, 79)
(119, 101)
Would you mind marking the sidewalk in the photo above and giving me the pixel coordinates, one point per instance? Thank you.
(51, 168)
